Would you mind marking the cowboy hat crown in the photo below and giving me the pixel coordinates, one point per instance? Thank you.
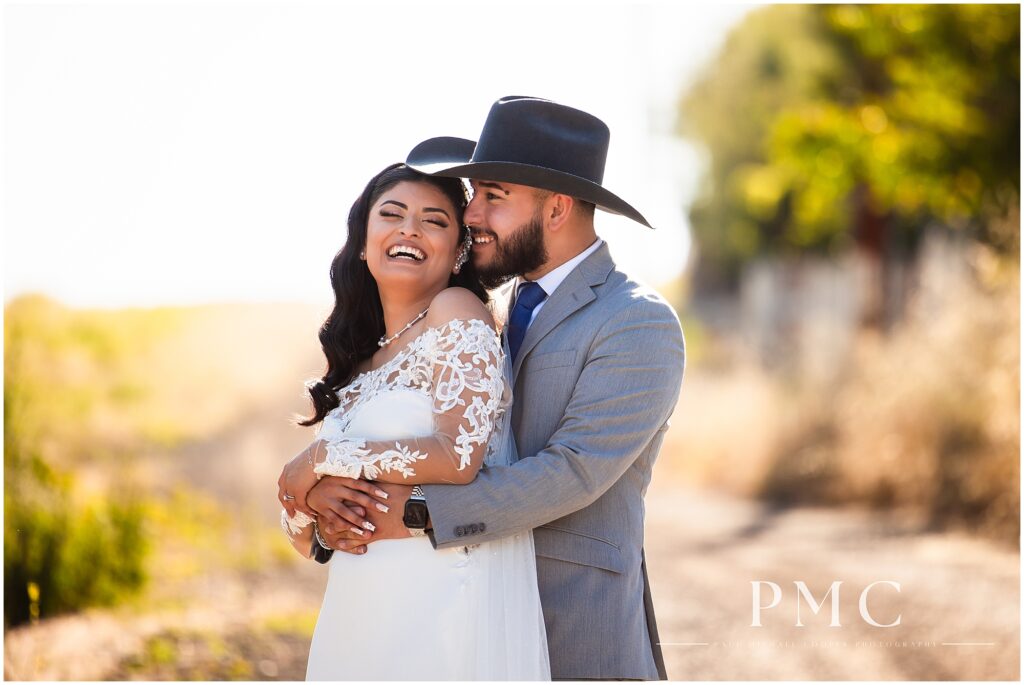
(533, 142)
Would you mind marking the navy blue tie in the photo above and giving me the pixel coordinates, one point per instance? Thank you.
(530, 295)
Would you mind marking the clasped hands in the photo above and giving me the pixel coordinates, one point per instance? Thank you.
(350, 513)
(353, 513)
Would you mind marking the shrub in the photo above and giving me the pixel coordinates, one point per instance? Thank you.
(61, 555)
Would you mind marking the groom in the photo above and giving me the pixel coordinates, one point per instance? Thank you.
(597, 367)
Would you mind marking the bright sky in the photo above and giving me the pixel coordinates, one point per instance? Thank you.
(172, 153)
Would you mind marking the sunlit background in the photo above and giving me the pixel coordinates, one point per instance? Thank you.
(206, 153)
(835, 191)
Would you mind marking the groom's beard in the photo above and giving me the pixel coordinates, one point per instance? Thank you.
(520, 253)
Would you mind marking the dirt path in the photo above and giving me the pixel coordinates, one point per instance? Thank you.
(227, 613)
(704, 551)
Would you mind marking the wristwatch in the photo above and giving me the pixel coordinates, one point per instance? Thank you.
(416, 515)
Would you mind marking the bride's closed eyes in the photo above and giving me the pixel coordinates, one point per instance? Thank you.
(394, 215)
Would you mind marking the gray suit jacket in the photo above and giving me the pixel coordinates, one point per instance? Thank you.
(595, 382)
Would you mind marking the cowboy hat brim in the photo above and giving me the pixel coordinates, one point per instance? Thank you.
(452, 157)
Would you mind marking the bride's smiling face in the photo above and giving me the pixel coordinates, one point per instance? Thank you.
(412, 237)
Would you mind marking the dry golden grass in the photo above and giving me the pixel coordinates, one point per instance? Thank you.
(931, 419)
(924, 419)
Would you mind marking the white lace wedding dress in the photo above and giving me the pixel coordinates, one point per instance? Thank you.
(404, 610)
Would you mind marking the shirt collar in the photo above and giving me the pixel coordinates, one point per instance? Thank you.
(552, 279)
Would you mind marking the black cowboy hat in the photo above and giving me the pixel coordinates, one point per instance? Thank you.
(531, 142)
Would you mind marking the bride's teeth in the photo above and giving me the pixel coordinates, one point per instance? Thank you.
(406, 252)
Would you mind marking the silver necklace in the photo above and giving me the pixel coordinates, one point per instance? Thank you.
(384, 342)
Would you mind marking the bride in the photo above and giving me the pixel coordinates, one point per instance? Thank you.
(414, 393)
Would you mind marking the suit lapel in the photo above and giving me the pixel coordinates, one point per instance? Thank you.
(576, 291)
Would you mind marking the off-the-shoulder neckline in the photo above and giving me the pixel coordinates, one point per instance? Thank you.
(412, 343)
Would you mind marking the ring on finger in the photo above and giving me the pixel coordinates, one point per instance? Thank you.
(287, 497)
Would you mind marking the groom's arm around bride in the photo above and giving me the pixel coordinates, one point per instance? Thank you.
(593, 396)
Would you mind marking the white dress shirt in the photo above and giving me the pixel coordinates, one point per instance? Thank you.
(552, 279)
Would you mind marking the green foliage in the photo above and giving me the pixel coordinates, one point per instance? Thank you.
(94, 403)
(775, 58)
(64, 550)
(815, 116)
(61, 555)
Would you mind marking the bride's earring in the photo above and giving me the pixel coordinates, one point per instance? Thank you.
(362, 255)
(463, 255)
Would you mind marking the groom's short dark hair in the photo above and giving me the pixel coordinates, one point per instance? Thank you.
(586, 209)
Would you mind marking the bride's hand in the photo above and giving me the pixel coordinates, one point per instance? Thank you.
(334, 499)
(297, 479)
(389, 525)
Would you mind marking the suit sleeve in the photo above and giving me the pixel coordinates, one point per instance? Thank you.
(627, 390)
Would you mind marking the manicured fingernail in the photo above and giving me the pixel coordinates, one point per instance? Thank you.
(358, 531)
(381, 493)
(369, 526)
(383, 507)
(362, 550)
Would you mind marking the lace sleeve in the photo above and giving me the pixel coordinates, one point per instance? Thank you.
(294, 526)
(466, 387)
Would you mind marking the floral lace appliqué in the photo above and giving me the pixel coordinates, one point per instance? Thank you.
(294, 525)
(349, 457)
(458, 365)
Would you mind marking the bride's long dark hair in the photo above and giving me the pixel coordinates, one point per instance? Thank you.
(351, 331)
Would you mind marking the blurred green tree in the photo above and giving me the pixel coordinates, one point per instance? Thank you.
(834, 125)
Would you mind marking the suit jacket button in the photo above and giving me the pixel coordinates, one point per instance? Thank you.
(473, 529)
(459, 532)
(482, 527)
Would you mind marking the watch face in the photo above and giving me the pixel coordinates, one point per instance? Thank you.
(415, 514)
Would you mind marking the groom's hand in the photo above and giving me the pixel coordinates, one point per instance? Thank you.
(386, 525)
